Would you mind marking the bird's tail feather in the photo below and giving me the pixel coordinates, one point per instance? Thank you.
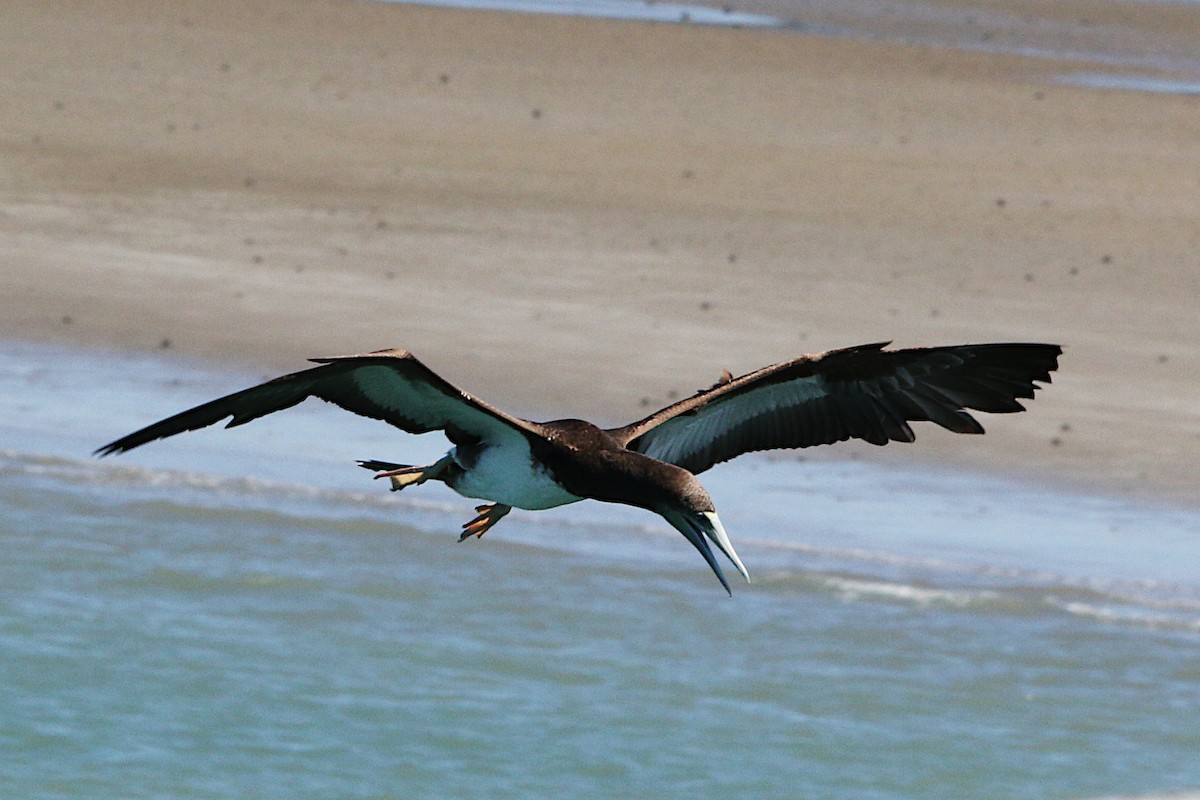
(380, 466)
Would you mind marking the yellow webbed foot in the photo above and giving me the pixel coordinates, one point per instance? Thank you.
(488, 516)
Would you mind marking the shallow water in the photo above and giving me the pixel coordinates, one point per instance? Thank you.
(202, 619)
(1134, 83)
(641, 10)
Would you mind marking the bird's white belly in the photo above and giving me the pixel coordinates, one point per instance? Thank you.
(508, 475)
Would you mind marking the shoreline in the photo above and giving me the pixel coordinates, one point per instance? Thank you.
(1127, 44)
(580, 216)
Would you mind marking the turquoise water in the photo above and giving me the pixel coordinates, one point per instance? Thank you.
(245, 614)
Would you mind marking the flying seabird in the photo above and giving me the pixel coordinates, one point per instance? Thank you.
(863, 392)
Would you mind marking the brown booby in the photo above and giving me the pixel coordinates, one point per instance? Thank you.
(863, 392)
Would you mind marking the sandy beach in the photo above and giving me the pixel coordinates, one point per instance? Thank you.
(574, 217)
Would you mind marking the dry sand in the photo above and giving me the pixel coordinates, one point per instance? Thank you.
(581, 217)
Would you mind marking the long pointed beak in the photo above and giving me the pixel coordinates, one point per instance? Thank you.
(699, 529)
(721, 540)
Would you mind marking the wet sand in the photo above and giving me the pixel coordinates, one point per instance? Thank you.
(584, 217)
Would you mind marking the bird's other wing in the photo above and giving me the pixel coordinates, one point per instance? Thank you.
(862, 392)
(388, 385)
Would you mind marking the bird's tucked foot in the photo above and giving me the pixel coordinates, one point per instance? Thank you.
(488, 516)
(402, 475)
(405, 476)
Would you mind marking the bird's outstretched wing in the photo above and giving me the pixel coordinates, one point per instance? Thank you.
(862, 392)
(389, 385)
